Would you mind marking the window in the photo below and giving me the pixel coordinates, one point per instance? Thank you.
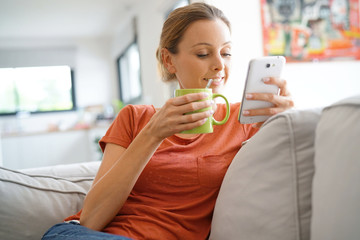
(36, 89)
(129, 74)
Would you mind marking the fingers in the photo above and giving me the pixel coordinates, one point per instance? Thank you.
(181, 113)
(281, 83)
(264, 111)
(175, 123)
(188, 98)
(280, 102)
(193, 120)
(190, 103)
(276, 100)
(192, 109)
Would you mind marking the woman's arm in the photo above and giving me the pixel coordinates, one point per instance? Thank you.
(114, 182)
(121, 167)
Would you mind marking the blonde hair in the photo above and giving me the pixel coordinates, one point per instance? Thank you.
(175, 26)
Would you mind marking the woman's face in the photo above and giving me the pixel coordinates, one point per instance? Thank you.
(203, 53)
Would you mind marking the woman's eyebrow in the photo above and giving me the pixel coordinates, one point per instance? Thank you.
(201, 43)
(208, 44)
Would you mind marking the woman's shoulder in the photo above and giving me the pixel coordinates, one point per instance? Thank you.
(135, 114)
(138, 109)
(134, 117)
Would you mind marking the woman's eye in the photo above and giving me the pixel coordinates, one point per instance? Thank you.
(226, 54)
(202, 55)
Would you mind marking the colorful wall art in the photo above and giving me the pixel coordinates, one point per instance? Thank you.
(311, 30)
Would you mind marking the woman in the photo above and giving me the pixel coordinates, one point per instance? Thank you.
(155, 183)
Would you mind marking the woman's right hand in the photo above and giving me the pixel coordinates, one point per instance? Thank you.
(171, 118)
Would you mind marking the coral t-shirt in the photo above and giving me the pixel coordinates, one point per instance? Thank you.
(174, 197)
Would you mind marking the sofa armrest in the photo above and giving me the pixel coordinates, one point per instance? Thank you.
(32, 200)
(86, 169)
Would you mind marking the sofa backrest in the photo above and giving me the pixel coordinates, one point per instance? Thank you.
(297, 178)
(336, 186)
(266, 192)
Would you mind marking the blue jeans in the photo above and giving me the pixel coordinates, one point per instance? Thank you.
(73, 230)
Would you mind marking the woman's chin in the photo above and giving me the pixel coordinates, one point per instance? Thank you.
(217, 89)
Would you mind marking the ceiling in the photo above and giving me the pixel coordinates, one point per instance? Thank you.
(61, 18)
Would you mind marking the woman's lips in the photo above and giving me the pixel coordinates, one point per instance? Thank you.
(215, 81)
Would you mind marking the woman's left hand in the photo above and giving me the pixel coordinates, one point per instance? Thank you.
(281, 102)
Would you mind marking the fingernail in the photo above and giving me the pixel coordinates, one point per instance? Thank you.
(266, 79)
(248, 95)
(246, 112)
(205, 94)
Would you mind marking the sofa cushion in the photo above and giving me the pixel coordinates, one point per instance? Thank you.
(31, 203)
(266, 192)
(336, 191)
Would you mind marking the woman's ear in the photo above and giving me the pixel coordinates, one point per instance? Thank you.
(167, 59)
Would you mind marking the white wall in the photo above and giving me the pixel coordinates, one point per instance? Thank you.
(151, 15)
(311, 84)
(93, 75)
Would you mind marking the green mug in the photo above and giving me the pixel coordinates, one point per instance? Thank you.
(207, 127)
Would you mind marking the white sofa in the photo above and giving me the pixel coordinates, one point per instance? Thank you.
(297, 178)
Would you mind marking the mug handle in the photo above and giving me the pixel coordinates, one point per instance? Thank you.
(215, 122)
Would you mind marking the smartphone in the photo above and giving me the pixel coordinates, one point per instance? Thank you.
(258, 69)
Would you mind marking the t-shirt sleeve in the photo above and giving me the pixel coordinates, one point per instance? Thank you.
(120, 131)
(127, 125)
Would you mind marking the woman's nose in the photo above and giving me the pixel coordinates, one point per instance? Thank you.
(218, 63)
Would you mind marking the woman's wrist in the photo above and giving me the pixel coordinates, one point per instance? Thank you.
(152, 138)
